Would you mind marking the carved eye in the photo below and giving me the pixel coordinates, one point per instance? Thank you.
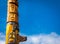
(13, 36)
(9, 36)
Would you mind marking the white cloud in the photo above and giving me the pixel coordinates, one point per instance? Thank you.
(51, 38)
(2, 38)
(2, 42)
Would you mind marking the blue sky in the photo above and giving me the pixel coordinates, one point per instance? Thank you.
(40, 16)
(35, 17)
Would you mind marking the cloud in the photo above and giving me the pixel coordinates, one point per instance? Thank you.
(51, 38)
(2, 42)
(2, 38)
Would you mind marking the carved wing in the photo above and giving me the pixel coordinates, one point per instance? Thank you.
(21, 38)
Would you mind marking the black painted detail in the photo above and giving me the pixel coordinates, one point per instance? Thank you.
(12, 22)
(14, 13)
(14, 3)
(11, 43)
(15, 28)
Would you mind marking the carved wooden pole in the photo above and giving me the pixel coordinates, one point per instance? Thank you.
(12, 29)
